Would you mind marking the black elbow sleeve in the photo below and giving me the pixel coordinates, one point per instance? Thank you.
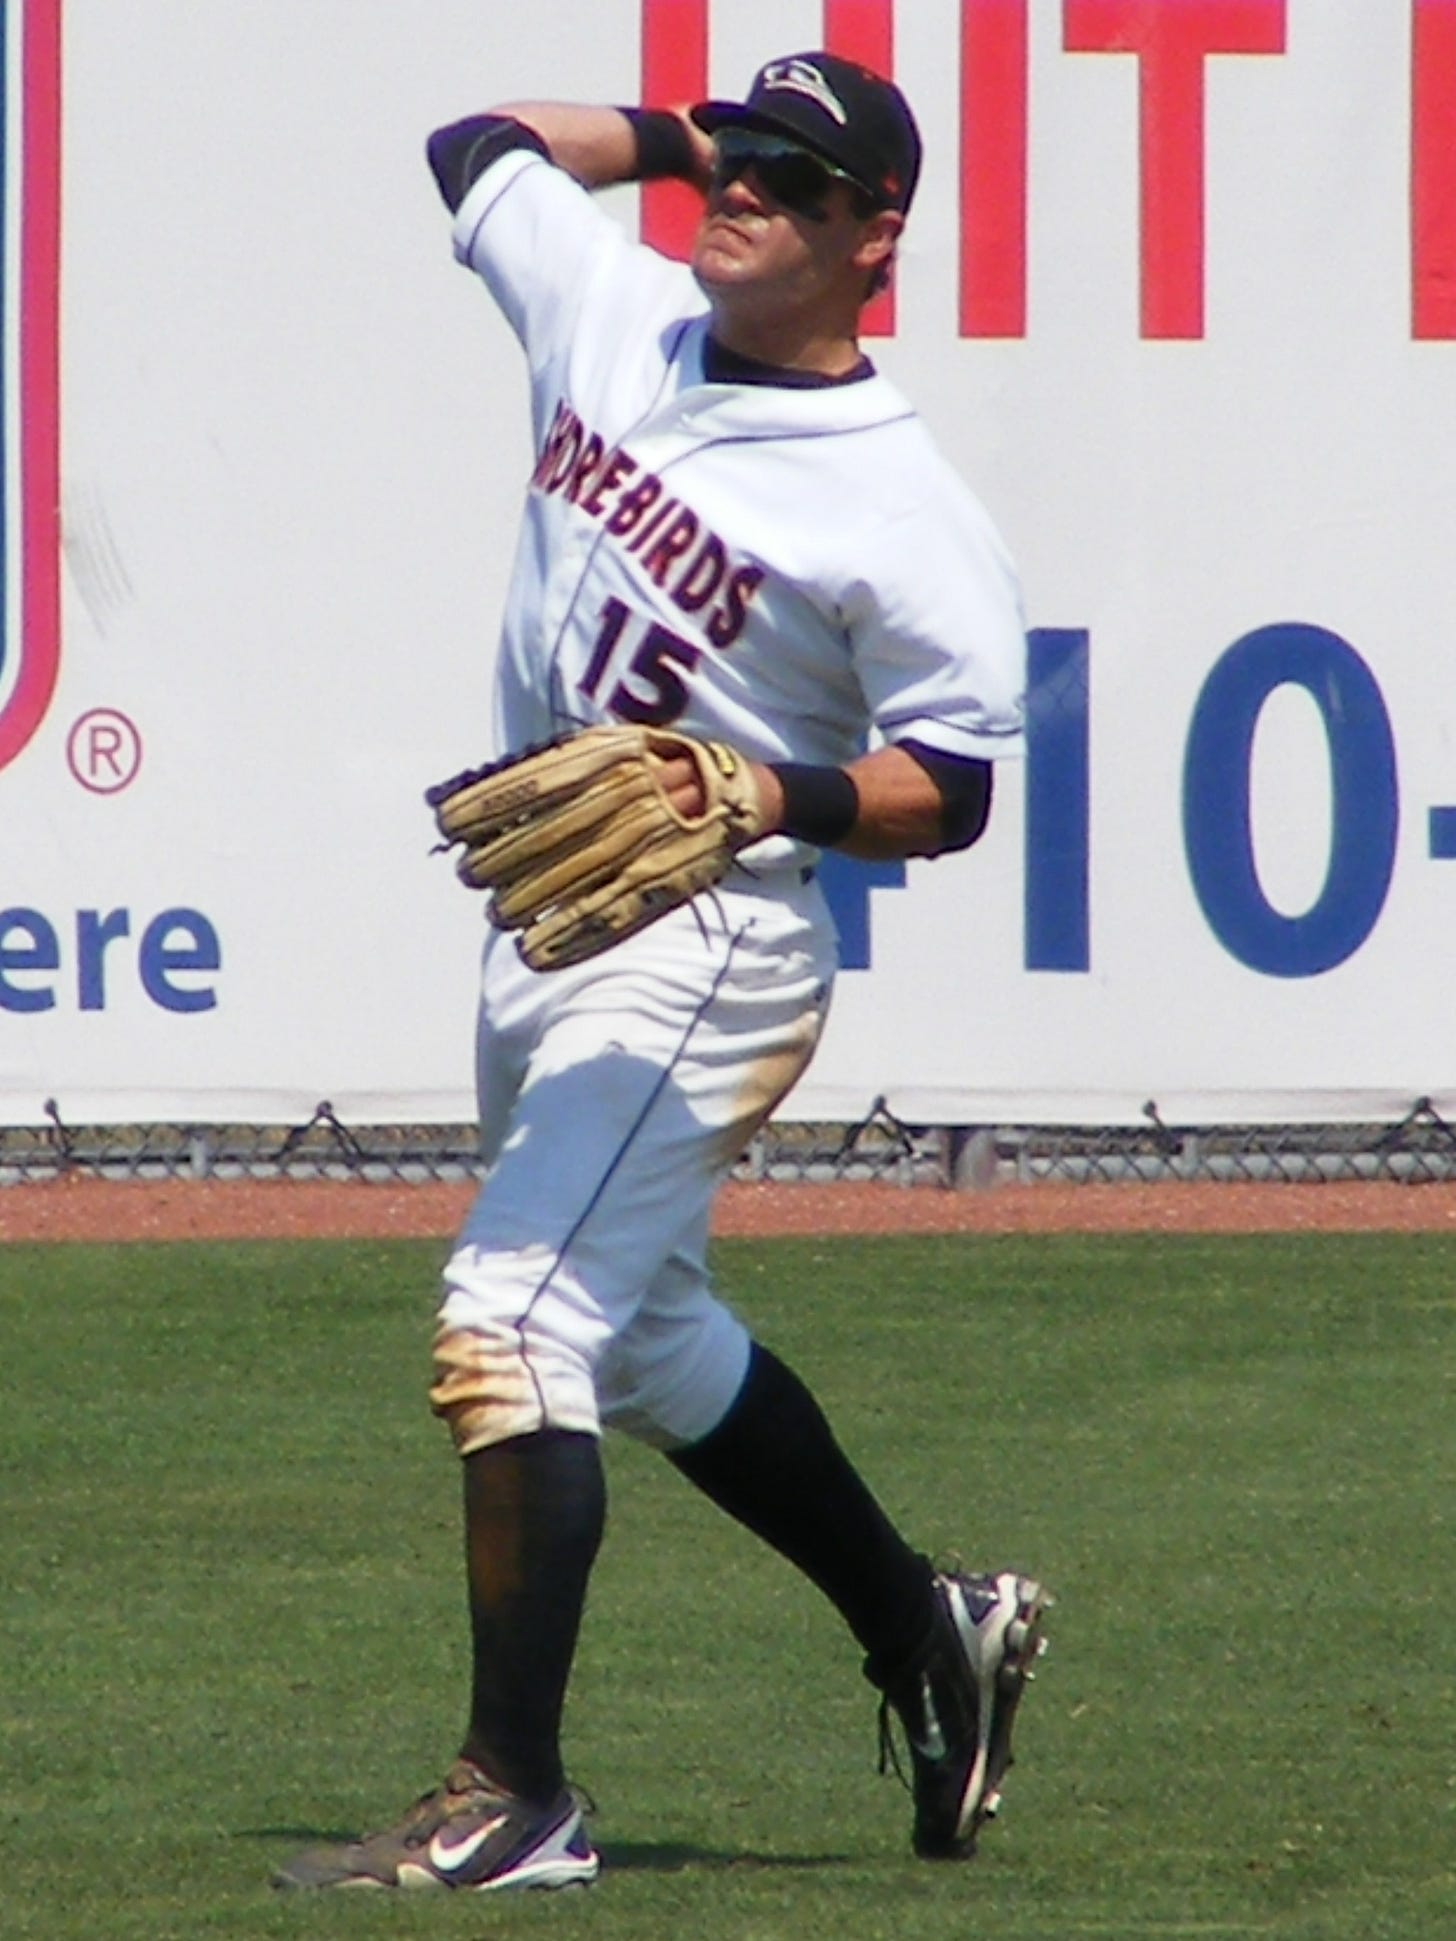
(460, 154)
(965, 792)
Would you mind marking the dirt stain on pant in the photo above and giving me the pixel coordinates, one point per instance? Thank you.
(484, 1390)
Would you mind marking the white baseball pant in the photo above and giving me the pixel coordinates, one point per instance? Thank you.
(614, 1096)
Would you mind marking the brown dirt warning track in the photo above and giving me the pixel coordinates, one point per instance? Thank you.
(106, 1210)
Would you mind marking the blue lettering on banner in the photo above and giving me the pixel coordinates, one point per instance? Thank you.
(93, 933)
(1365, 808)
(1441, 834)
(178, 943)
(1057, 799)
(1217, 821)
(28, 945)
(847, 882)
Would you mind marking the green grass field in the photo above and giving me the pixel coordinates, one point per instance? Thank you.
(231, 1614)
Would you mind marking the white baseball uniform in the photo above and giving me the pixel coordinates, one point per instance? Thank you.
(794, 571)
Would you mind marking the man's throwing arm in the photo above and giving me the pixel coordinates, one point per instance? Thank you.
(596, 145)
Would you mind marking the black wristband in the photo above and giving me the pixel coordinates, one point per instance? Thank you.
(664, 146)
(821, 805)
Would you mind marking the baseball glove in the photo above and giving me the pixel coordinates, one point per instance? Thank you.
(579, 843)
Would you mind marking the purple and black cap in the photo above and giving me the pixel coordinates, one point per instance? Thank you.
(835, 108)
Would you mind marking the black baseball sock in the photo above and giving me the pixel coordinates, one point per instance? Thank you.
(534, 1511)
(773, 1463)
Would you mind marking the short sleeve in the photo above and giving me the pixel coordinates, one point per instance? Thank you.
(937, 630)
(570, 282)
(538, 241)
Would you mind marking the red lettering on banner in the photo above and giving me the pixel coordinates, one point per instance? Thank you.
(994, 92)
(1433, 169)
(1172, 39)
(674, 72)
(864, 31)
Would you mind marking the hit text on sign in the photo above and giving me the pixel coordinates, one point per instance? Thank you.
(1172, 43)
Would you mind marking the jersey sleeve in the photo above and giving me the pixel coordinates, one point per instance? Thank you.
(937, 630)
(545, 251)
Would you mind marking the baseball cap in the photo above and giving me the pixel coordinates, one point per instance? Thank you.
(838, 109)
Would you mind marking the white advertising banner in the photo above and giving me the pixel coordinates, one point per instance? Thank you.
(1178, 298)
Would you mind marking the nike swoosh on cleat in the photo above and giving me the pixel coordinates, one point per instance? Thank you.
(932, 1745)
(450, 1859)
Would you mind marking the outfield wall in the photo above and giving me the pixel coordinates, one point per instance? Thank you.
(1179, 298)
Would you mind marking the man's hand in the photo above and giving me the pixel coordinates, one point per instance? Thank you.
(682, 783)
(588, 839)
(702, 148)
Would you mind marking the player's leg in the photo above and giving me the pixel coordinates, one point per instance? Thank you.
(604, 1159)
(949, 1651)
(614, 1144)
(774, 1465)
(686, 1378)
(534, 1511)
(739, 1424)
(522, 1410)
(535, 1508)
(582, 1199)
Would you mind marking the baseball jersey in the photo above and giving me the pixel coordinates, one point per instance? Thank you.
(796, 571)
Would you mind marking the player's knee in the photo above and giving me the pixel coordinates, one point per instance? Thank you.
(490, 1385)
(671, 1398)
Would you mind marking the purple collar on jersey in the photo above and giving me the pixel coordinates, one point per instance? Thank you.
(724, 366)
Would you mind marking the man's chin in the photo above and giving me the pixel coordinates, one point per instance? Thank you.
(714, 270)
(722, 252)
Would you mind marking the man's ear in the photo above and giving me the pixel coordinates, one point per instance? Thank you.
(882, 231)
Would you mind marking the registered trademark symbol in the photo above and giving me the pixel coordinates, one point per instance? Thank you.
(104, 751)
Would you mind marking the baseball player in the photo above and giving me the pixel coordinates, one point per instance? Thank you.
(736, 532)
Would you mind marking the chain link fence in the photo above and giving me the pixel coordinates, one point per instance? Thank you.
(1420, 1147)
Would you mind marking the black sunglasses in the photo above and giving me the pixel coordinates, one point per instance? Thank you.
(794, 176)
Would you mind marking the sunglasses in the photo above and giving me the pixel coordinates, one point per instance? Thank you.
(793, 176)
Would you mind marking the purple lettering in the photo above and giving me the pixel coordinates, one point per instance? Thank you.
(671, 546)
(726, 623)
(617, 467)
(703, 575)
(633, 505)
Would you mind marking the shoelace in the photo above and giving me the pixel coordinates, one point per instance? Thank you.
(889, 1759)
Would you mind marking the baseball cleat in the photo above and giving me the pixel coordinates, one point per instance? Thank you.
(465, 1834)
(956, 1703)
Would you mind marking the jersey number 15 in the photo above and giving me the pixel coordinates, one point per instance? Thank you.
(651, 690)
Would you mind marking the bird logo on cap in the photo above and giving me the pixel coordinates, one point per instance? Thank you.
(802, 77)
